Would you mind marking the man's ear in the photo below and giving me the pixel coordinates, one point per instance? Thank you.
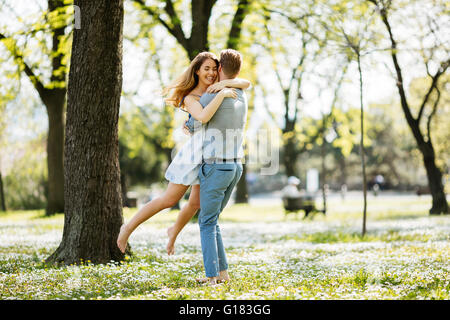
(219, 69)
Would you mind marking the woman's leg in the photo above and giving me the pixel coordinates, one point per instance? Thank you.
(186, 214)
(170, 197)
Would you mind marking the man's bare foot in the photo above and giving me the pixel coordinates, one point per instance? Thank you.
(170, 245)
(122, 239)
(223, 276)
(220, 279)
(211, 281)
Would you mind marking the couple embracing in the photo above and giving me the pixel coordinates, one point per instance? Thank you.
(210, 161)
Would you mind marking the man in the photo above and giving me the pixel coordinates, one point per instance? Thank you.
(221, 168)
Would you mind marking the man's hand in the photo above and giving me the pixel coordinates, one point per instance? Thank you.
(216, 87)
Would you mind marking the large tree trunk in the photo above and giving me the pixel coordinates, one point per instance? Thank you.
(54, 100)
(434, 175)
(198, 41)
(55, 153)
(93, 204)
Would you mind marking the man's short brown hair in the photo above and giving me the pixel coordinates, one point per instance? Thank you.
(230, 61)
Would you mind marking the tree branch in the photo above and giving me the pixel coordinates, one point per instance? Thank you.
(176, 30)
(271, 55)
(236, 24)
(295, 21)
(266, 107)
(403, 100)
(28, 71)
(435, 78)
(433, 113)
(299, 78)
(174, 19)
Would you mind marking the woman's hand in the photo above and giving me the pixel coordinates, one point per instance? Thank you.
(216, 87)
(186, 129)
(229, 83)
(228, 93)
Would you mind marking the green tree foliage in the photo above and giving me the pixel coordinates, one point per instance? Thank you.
(25, 182)
(140, 161)
(39, 46)
(390, 149)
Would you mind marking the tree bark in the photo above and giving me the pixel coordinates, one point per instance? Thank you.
(93, 202)
(54, 100)
(55, 153)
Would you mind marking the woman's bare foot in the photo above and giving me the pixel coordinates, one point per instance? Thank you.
(170, 245)
(122, 239)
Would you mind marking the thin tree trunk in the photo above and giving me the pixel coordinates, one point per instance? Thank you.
(241, 187)
(342, 170)
(93, 202)
(325, 120)
(290, 155)
(324, 167)
(2, 195)
(362, 151)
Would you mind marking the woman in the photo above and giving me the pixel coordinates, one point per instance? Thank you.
(185, 92)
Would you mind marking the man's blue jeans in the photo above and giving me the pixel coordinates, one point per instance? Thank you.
(217, 181)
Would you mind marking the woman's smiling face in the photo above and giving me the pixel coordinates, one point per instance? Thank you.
(207, 72)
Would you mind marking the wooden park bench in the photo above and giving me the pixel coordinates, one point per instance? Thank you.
(303, 202)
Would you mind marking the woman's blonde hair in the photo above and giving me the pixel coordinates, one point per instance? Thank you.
(187, 81)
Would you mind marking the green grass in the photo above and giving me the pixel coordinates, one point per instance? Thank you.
(404, 255)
